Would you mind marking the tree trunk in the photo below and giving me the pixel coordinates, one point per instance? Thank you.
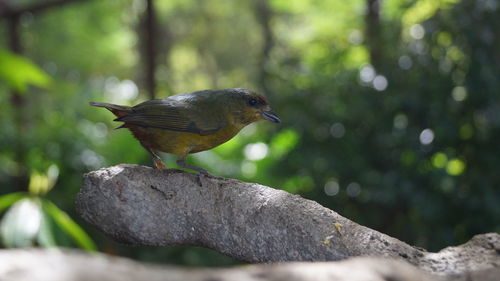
(373, 33)
(147, 34)
(264, 15)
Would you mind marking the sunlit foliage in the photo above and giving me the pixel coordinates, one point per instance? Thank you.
(407, 146)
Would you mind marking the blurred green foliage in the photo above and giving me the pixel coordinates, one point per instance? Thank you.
(33, 220)
(406, 146)
(25, 72)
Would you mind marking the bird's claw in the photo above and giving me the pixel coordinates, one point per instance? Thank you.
(202, 171)
(159, 164)
(181, 162)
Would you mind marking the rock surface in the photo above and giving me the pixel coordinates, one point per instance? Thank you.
(57, 265)
(254, 223)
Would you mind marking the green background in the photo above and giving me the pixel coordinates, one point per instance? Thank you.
(392, 121)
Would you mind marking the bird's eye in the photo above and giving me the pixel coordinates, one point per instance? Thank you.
(252, 102)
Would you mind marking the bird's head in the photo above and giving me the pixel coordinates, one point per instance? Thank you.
(248, 106)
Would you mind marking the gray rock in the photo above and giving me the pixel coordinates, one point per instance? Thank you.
(143, 206)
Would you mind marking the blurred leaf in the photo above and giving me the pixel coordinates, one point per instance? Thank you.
(283, 142)
(11, 198)
(69, 226)
(356, 56)
(41, 183)
(293, 6)
(298, 184)
(424, 9)
(21, 223)
(18, 72)
(45, 235)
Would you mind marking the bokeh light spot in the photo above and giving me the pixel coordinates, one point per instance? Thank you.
(439, 160)
(337, 130)
(120, 91)
(426, 137)
(380, 83)
(417, 31)
(331, 188)
(455, 167)
(405, 62)
(91, 159)
(367, 73)
(353, 189)
(256, 151)
(100, 130)
(459, 93)
(400, 121)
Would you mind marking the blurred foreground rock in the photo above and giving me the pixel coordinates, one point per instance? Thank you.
(72, 265)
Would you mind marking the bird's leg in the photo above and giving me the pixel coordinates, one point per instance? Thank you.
(158, 163)
(181, 161)
(156, 159)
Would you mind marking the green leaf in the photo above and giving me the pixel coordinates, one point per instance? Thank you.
(45, 237)
(19, 72)
(11, 198)
(424, 9)
(283, 142)
(69, 226)
(21, 223)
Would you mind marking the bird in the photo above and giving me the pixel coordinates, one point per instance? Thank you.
(191, 122)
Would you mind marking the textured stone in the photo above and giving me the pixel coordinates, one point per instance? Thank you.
(57, 265)
(254, 223)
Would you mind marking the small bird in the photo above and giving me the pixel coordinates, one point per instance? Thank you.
(191, 122)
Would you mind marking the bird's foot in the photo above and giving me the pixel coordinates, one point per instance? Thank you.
(159, 164)
(201, 171)
(183, 164)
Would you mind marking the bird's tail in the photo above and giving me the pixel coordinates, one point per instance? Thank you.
(118, 110)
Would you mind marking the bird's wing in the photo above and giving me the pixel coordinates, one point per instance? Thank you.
(174, 115)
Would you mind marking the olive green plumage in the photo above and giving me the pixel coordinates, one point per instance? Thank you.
(191, 122)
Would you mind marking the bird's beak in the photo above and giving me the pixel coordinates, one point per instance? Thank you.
(271, 116)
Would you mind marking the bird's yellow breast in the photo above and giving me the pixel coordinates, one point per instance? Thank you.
(181, 143)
